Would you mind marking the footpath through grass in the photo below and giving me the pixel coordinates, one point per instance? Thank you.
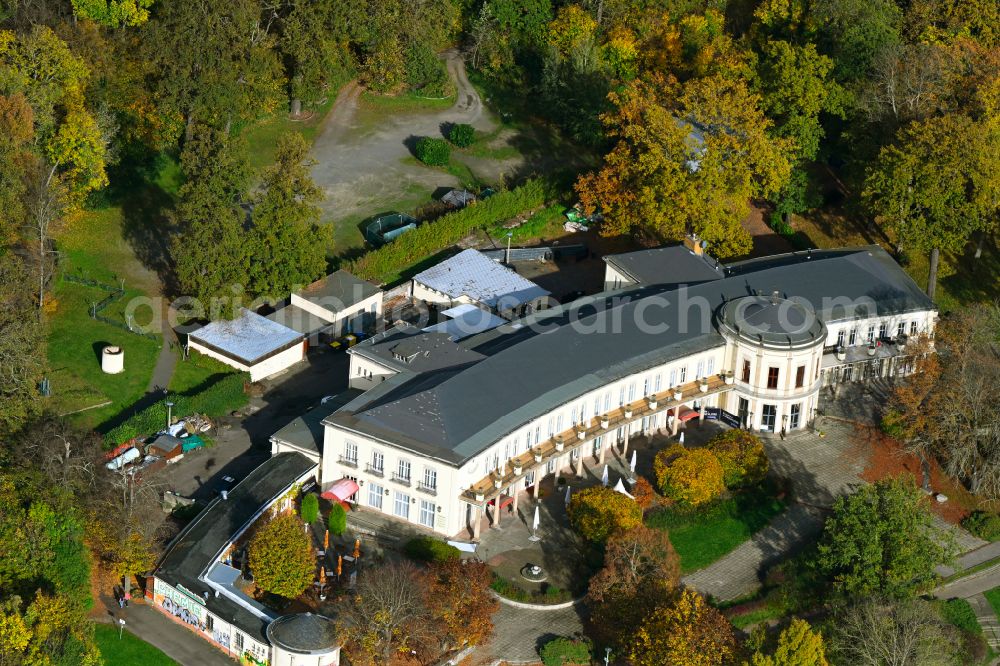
(130, 650)
(702, 537)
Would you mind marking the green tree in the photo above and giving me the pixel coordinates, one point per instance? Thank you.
(114, 13)
(686, 160)
(336, 521)
(281, 557)
(597, 513)
(310, 508)
(288, 244)
(316, 39)
(798, 645)
(881, 540)
(936, 184)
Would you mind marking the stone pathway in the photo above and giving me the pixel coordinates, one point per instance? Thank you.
(987, 619)
(518, 634)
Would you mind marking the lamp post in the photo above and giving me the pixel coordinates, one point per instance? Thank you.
(509, 235)
(121, 627)
(607, 656)
(170, 407)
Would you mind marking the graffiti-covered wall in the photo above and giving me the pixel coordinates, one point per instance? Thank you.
(185, 607)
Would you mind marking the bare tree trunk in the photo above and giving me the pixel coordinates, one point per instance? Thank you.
(932, 273)
(979, 244)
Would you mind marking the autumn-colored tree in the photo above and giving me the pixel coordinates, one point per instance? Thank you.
(113, 13)
(742, 456)
(882, 540)
(642, 491)
(458, 598)
(572, 30)
(936, 184)
(690, 477)
(686, 159)
(693, 45)
(685, 631)
(598, 512)
(641, 569)
(281, 557)
(798, 645)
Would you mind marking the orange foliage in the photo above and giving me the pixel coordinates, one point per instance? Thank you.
(643, 493)
(685, 632)
(598, 512)
(690, 477)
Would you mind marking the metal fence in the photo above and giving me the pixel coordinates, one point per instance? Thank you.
(115, 293)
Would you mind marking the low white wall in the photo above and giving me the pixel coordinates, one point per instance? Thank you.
(265, 368)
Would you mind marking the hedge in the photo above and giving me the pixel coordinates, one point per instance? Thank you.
(220, 398)
(387, 263)
(462, 135)
(565, 651)
(435, 152)
(426, 549)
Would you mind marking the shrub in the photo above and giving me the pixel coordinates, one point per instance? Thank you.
(336, 522)
(389, 261)
(433, 152)
(689, 477)
(742, 456)
(984, 525)
(462, 135)
(598, 512)
(643, 493)
(959, 612)
(427, 549)
(565, 651)
(310, 508)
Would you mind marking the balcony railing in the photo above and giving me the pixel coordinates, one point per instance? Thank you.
(425, 488)
(402, 480)
(374, 471)
(350, 462)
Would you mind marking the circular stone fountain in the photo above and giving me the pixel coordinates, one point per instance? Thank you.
(533, 573)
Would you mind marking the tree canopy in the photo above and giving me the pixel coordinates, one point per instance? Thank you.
(281, 557)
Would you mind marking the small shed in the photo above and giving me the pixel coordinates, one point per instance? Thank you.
(458, 198)
(337, 304)
(251, 343)
(167, 447)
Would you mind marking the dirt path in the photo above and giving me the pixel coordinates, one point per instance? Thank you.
(361, 155)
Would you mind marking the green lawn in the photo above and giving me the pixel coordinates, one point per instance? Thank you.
(993, 596)
(702, 537)
(196, 372)
(129, 650)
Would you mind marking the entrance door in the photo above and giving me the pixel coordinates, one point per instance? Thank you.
(767, 417)
(743, 411)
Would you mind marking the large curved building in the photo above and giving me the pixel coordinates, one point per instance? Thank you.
(444, 428)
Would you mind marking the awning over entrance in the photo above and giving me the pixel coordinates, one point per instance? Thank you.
(341, 491)
(687, 414)
(505, 501)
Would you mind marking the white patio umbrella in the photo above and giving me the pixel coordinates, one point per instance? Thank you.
(620, 488)
(568, 490)
(534, 526)
(604, 477)
(631, 465)
(681, 438)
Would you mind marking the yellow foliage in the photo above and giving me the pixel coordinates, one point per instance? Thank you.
(571, 29)
(686, 632)
(621, 53)
(690, 477)
(598, 512)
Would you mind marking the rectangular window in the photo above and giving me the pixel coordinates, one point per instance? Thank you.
(538, 436)
(699, 371)
(794, 416)
(673, 378)
(658, 383)
(597, 405)
(913, 328)
(430, 478)
(901, 329)
(527, 439)
(710, 366)
(351, 452)
(401, 505)
(772, 378)
(239, 642)
(746, 371)
(427, 510)
(575, 416)
(684, 374)
(621, 396)
(551, 426)
(768, 416)
(631, 392)
(378, 461)
(800, 376)
(743, 411)
(375, 493)
(883, 331)
(404, 470)
(607, 402)
(871, 334)
(559, 423)
(840, 338)
(854, 337)
(209, 622)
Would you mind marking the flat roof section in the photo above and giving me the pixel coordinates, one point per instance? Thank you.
(338, 291)
(249, 338)
(666, 265)
(470, 273)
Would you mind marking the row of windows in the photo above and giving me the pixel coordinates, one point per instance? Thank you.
(773, 375)
(404, 469)
(601, 403)
(401, 503)
(849, 338)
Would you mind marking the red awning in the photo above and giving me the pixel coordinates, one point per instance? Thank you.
(687, 414)
(505, 500)
(340, 491)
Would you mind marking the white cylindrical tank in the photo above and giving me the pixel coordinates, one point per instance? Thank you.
(113, 359)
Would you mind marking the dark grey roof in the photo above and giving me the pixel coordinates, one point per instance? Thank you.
(203, 540)
(772, 321)
(297, 319)
(303, 633)
(535, 364)
(338, 291)
(407, 348)
(666, 265)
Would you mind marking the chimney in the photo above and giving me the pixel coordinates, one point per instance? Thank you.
(694, 244)
(775, 297)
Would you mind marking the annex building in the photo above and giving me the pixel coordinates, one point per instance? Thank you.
(443, 428)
